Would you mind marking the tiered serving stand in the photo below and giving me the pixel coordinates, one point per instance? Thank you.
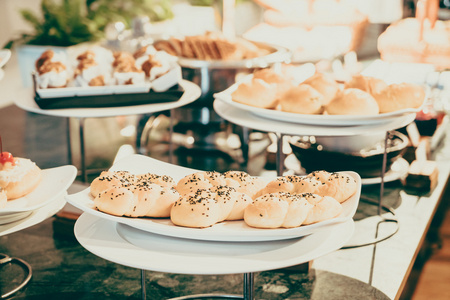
(246, 118)
(43, 202)
(226, 248)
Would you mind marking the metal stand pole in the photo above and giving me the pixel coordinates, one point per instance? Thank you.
(248, 286)
(82, 151)
(280, 155)
(143, 290)
(170, 137)
(69, 145)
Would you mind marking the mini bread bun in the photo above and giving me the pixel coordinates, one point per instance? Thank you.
(270, 76)
(162, 180)
(302, 99)
(276, 210)
(200, 180)
(3, 199)
(340, 186)
(298, 210)
(226, 198)
(291, 184)
(268, 211)
(280, 184)
(325, 85)
(244, 183)
(368, 84)
(109, 179)
(152, 200)
(198, 210)
(117, 201)
(256, 93)
(241, 202)
(353, 102)
(323, 208)
(307, 185)
(20, 179)
(400, 96)
(141, 199)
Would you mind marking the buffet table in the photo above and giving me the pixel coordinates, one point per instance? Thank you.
(63, 268)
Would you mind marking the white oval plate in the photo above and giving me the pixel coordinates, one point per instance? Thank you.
(139, 249)
(324, 120)
(34, 217)
(54, 182)
(236, 231)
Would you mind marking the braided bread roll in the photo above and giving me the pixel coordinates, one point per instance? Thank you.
(324, 208)
(244, 183)
(288, 210)
(198, 209)
(200, 180)
(340, 186)
(109, 179)
(121, 193)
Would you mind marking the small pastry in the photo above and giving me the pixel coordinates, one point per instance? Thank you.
(51, 70)
(302, 99)
(353, 102)
(18, 176)
(257, 93)
(325, 85)
(368, 84)
(3, 198)
(400, 96)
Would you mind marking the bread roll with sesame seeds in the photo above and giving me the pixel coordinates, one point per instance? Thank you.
(298, 211)
(117, 201)
(323, 208)
(242, 201)
(286, 184)
(199, 180)
(145, 195)
(226, 198)
(244, 183)
(163, 204)
(109, 179)
(268, 211)
(197, 209)
(162, 180)
(340, 186)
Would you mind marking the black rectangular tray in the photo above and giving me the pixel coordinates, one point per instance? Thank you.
(111, 100)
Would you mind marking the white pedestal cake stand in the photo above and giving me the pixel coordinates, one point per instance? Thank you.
(144, 250)
(247, 119)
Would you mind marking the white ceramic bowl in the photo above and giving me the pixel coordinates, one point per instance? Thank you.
(350, 144)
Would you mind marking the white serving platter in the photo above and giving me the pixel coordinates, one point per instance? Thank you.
(236, 231)
(322, 120)
(54, 182)
(144, 250)
(34, 217)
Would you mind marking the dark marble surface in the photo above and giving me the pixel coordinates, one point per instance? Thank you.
(62, 269)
